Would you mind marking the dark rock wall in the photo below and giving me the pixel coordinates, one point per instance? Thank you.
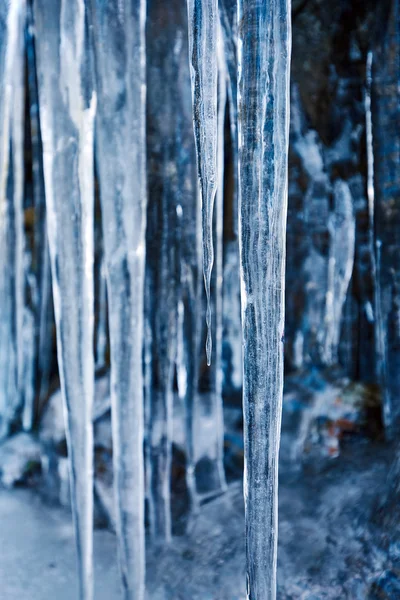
(330, 290)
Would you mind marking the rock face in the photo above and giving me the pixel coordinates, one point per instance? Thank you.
(330, 291)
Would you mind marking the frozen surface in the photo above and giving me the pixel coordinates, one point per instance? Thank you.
(203, 52)
(263, 100)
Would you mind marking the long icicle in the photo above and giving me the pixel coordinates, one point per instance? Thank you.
(119, 29)
(189, 253)
(67, 109)
(17, 157)
(212, 403)
(203, 36)
(12, 21)
(43, 301)
(263, 80)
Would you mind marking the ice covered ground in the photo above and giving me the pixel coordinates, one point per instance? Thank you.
(329, 546)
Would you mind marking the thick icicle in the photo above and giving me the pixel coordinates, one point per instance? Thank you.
(67, 111)
(264, 65)
(12, 23)
(119, 28)
(203, 35)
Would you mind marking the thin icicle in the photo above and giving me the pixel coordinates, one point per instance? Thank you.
(342, 230)
(203, 34)
(17, 153)
(214, 405)
(374, 251)
(119, 28)
(264, 67)
(370, 147)
(189, 257)
(67, 111)
(12, 23)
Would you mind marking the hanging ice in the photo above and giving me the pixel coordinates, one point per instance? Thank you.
(212, 406)
(203, 34)
(40, 285)
(342, 229)
(119, 31)
(264, 61)
(67, 110)
(12, 22)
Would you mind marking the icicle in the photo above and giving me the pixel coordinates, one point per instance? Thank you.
(369, 140)
(12, 22)
(380, 349)
(188, 240)
(41, 277)
(213, 451)
(219, 242)
(203, 33)
(264, 61)
(375, 312)
(67, 110)
(342, 228)
(120, 59)
(17, 151)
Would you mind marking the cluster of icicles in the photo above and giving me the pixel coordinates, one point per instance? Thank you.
(92, 85)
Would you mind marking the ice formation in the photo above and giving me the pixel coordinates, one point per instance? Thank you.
(119, 41)
(67, 111)
(263, 83)
(133, 277)
(12, 20)
(143, 143)
(203, 52)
